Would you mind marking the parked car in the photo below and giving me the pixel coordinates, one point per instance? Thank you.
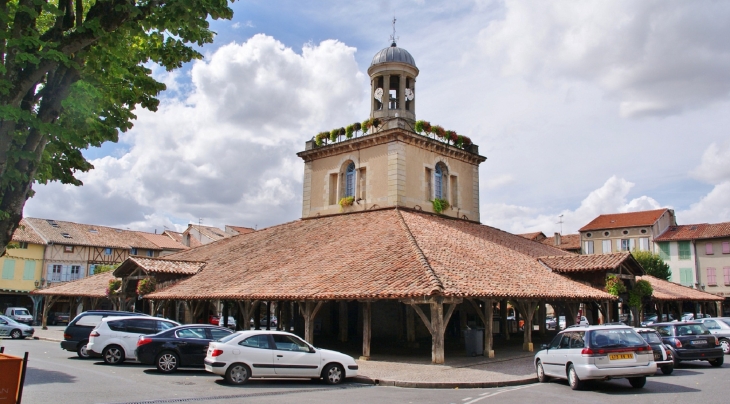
(662, 354)
(13, 329)
(550, 323)
(115, 338)
(691, 316)
(690, 341)
(76, 334)
(183, 346)
(263, 322)
(57, 318)
(597, 352)
(652, 318)
(719, 327)
(19, 314)
(279, 354)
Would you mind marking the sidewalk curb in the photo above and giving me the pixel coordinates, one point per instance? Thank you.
(444, 385)
(48, 339)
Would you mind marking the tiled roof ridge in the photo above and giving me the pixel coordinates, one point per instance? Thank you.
(28, 222)
(596, 224)
(167, 259)
(438, 286)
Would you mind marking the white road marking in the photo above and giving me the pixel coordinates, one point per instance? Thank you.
(492, 394)
(464, 399)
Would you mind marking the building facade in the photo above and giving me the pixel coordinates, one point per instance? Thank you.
(22, 268)
(631, 231)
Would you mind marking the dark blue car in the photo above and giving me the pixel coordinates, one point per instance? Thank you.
(183, 346)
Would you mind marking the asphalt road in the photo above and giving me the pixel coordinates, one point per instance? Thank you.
(57, 376)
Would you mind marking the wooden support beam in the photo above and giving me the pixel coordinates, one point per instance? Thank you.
(541, 317)
(410, 325)
(343, 320)
(309, 311)
(436, 327)
(527, 309)
(366, 331)
(432, 299)
(49, 301)
(503, 319)
(488, 319)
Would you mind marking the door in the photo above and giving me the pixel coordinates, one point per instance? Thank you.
(135, 328)
(4, 327)
(192, 345)
(257, 352)
(554, 363)
(294, 357)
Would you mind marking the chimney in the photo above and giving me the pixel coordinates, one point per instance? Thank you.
(557, 239)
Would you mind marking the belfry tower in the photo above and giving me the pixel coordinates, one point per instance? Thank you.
(391, 159)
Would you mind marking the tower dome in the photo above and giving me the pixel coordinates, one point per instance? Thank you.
(393, 54)
(393, 75)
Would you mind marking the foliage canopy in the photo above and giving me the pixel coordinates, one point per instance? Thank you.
(652, 264)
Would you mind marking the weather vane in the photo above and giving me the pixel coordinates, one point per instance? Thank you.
(393, 38)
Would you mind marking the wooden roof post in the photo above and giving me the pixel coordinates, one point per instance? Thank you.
(366, 332)
(410, 325)
(503, 319)
(542, 314)
(309, 312)
(527, 309)
(343, 320)
(488, 328)
(437, 334)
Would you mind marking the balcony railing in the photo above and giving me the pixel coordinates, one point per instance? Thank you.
(63, 277)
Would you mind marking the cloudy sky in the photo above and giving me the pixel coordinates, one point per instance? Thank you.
(581, 108)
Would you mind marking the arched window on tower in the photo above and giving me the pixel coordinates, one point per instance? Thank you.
(350, 180)
(441, 175)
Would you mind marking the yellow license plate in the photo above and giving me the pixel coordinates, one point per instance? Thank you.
(615, 357)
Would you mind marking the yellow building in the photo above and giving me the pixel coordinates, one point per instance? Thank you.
(22, 268)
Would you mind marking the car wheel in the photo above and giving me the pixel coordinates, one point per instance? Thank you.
(541, 373)
(237, 373)
(82, 352)
(717, 362)
(333, 374)
(667, 370)
(167, 362)
(113, 355)
(725, 345)
(573, 379)
(16, 334)
(637, 382)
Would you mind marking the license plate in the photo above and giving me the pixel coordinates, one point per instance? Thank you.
(618, 357)
(698, 342)
(657, 356)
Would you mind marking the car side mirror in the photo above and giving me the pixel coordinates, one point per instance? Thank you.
(544, 346)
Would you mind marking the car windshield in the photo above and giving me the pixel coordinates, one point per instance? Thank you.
(651, 337)
(229, 337)
(692, 329)
(21, 312)
(725, 320)
(616, 338)
(9, 320)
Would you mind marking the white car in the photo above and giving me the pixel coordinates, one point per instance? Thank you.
(598, 352)
(275, 354)
(115, 338)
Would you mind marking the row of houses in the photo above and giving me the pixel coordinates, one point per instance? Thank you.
(698, 255)
(44, 252)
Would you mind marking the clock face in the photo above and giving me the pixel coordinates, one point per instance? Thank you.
(378, 94)
(409, 94)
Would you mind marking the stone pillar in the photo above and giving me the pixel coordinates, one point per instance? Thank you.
(386, 94)
(401, 95)
(366, 332)
(343, 320)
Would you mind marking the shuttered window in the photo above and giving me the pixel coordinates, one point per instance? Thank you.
(664, 250)
(711, 280)
(9, 269)
(684, 250)
(588, 247)
(708, 248)
(726, 247)
(606, 247)
(726, 273)
(29, 271)
(685, 276)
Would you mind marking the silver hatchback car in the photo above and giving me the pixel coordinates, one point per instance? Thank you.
(597, 352)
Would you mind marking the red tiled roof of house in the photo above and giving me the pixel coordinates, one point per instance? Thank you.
(159, 265)
(670, 291)
(630, 219)
(593, 262)
(568, 242)
(210, 232)
(90, 286)
(241, 230)
(536, 236)
(382, 254)
(25, 234)
(164, 241)
(69, 233)
(696, 232)
(194, 242)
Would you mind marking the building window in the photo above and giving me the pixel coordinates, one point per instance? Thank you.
(75, 271)
(361, 183)
(150, 253)
(605, 233)
(684, 250)
(625, 245)
(711, 281)
(726, 247)
(440, 181)
(350, 180)
(454, 191)
(68, 248)
(643, 231)
(606, 246)
(708, 248)
(644, 244)
(133, 251)
(9, 269)
(685, 276)
(29, 271)
(663, 250)
(23, 245)
(66, 235)
(107, 251)
(726, 275)
(589, 234)
(625, 232)
(56, 272)
(588, 247)
(333, 189)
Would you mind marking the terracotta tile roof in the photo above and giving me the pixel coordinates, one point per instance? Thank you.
(164, 241)
(593, 262)
(695, 232)
(91, 286)
(179, 238)
(210, 232)
(537, 236)
(240, 230)
(159, 265)
(568, 242)
(25, 234)
(381, 254)
(665, 290)
(69, 233)
(631, 219)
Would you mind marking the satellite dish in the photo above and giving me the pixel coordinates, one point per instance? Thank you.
(379, 94)
(409, 94)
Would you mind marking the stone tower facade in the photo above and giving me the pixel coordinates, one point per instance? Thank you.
(390, 164)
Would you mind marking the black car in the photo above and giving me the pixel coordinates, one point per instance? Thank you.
(662, 353)
(76, 334)
(182, 346)
(690, 341)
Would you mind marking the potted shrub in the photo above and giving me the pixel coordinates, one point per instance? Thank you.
(146, 286)
(114, 288)
(349, 130)
(439, 205)
(346, 201)
(333, 135)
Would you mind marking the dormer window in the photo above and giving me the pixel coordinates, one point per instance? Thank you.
(350, 180)
(66, 235)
